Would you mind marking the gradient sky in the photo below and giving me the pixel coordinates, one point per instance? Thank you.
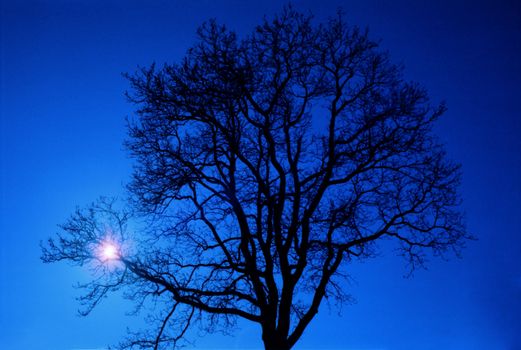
(62, 115)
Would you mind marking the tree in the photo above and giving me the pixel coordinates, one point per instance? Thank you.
(266, 165)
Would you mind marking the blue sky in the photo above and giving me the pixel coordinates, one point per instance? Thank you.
(62, 115)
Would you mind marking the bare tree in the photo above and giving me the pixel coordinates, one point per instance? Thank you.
(265, 165)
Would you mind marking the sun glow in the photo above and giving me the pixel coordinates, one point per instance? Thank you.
(109, 251)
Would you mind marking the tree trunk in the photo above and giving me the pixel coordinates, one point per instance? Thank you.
(274, 341)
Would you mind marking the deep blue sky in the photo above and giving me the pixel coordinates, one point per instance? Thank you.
(62, 116)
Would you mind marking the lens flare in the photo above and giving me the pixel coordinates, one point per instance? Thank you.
(109, 251)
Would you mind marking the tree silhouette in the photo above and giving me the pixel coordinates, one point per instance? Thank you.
(264, 166)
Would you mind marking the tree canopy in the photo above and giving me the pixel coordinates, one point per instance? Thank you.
(266, 164)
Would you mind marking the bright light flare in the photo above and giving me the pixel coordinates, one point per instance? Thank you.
(109, 251)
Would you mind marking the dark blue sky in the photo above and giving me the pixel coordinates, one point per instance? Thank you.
(62, 116)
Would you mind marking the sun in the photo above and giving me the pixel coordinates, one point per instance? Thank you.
(109, 251)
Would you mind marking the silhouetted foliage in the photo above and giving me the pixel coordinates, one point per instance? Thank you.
(265, 165)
